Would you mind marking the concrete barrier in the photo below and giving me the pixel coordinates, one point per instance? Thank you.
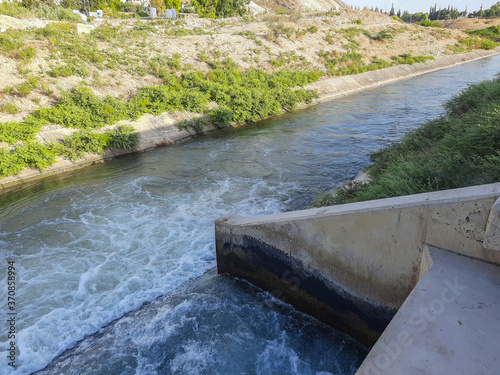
(353, 265)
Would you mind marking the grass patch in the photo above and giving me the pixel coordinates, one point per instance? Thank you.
(408, 58)
(461, 148)
(350, 63)
(492, 33)
(9, 108)
(14, 9)
(251, 35)
(473, 43)
(429, 23)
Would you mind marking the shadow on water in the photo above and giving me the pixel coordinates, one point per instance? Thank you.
(213, 325)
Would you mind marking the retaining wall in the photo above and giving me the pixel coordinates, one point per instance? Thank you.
(353, 265)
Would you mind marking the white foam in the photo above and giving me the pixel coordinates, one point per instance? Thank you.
(113, 249)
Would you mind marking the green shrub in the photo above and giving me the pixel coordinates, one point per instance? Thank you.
(35, 155)
(199, 124)
(10, 108)
(13, 9)
(382, 35)
(24, 88)
(12, 132)
(84, 141)
(26, 53)
(68, 70)
(82, 109)
(56, 13)
(9, 165)
(330, 38)
(7, 90)
(221, 8)
(473, 98)
(240, 96)
(479, 43)
(429, 23)
(60, 26)
(408, 58)
(350, 63)
(277, 29)
(251, 35)
(124, 137)
(492, 33)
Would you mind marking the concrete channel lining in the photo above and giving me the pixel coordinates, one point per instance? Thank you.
(362, 258)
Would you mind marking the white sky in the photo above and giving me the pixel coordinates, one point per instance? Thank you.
(415, 6)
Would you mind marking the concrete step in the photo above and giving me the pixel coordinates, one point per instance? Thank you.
(449, 324)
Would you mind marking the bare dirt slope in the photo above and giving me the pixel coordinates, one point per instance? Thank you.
(121, 56)
(303, 5)
(470, 23)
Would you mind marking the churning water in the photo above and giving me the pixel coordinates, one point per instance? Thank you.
(95, 249)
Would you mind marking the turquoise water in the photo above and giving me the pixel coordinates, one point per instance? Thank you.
(92, 247)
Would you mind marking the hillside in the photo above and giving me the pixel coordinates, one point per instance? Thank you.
(121, 56)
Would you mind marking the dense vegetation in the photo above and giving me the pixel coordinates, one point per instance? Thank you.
(492, 33)
(240, 97)
(459, 149)
(220, 8)
(449, 13)
(492, 12)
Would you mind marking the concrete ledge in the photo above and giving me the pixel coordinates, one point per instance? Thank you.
(450, 323)
(357, 262)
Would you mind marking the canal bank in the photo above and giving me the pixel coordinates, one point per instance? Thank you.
(157, 131)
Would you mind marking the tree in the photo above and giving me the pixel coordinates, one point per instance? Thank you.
(31, 4)
(158, 4)
(169, 4)
(220, 8)
(392, 12)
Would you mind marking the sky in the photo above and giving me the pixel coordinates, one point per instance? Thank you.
(414, 6)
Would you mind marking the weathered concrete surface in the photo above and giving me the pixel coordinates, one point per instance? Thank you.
(160, 130)
(450, 323)
(492, 235)
(341, 86)
(361, 254)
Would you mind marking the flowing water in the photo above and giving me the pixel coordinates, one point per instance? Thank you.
(94, 249)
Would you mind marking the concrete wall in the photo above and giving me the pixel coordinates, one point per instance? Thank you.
(336, 87)
(353, 265)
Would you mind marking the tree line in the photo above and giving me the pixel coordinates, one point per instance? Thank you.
(447, 13)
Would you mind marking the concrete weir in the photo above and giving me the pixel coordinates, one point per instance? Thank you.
(353, 266)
